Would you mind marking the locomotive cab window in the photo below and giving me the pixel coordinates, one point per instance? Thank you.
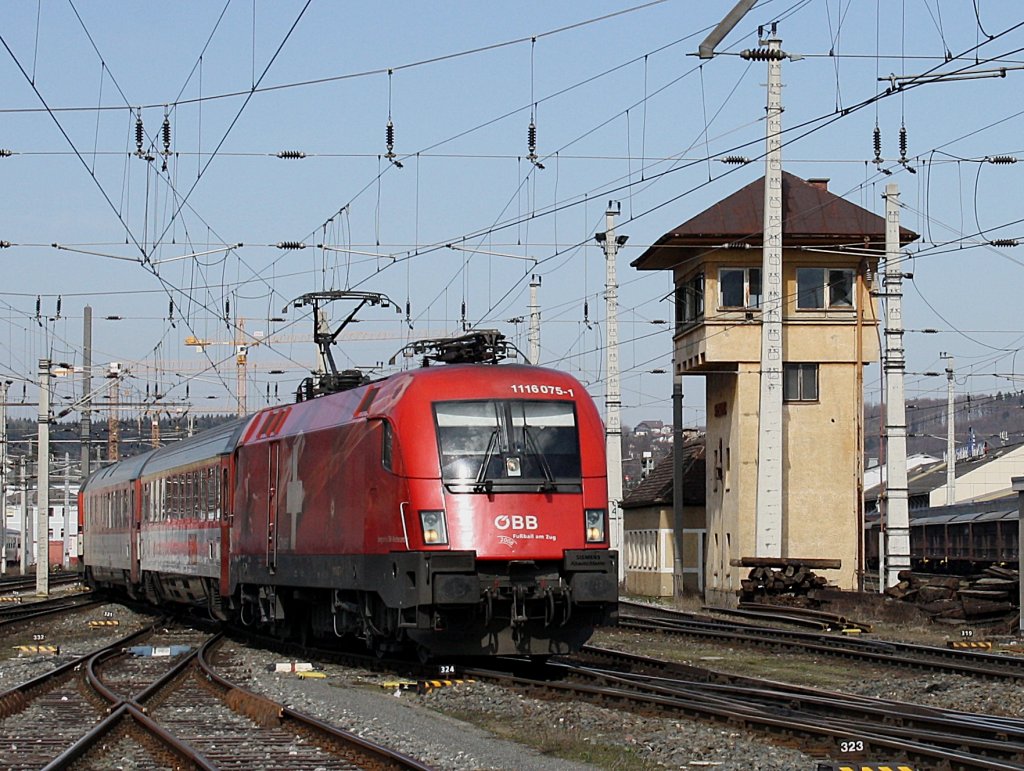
(506, 445)
(387, 450)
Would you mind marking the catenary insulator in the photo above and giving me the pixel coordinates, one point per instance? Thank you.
(736, 159)
(1001, 159)
(762, 54)
(166, 131)
(903, 143)
(291, 154)
(140, 134)
(1004, 242)
(227, 308)
(170, 310)
(5, 153)
(531, 139)
(5, 244)
(58, 305)
(39, 306)
(389, 138)
(876, 139)
(290, 245)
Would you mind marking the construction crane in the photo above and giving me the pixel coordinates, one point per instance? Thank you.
(243, 341)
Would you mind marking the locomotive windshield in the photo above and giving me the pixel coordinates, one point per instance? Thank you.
(496, 445)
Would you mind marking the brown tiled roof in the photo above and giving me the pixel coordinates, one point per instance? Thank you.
(656, 487)
(811, 216)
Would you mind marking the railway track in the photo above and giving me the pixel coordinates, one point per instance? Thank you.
(925, 657)
(11, 614)
(123, 706)
(12, 584)
(826, 724)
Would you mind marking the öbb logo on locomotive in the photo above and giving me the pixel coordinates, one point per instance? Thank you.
(515, 522)
(452, 510)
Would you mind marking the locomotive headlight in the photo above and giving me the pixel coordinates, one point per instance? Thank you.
(594, 523)
(434, 529)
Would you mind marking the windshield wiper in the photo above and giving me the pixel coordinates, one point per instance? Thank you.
(488, 484)
(549, 478)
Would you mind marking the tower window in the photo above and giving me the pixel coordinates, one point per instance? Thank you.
(739, 288)
(690, 300)
(822, 288)
(800, 382)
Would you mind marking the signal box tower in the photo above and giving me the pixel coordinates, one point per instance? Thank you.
(830, 253)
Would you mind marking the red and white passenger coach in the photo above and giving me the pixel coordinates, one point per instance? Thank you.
(457, 508)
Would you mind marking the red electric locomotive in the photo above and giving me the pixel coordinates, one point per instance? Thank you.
(460, 508)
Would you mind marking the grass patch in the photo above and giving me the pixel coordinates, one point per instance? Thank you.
(557, 740)
(789, 666)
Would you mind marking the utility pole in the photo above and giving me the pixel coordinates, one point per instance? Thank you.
(114, 414)
(85, 416)
(23, 520)
(769, 433)
(6, 384)
(241, 360)
(43, 484)
(897, 517)
(950, 443)
(323, 327)
(66, 561)
(677, 479)
(534, 334)
(612, 401)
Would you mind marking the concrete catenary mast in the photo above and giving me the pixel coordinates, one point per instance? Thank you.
(897, 518)
(4, 385)
(43, 484)
(85, 411)
(768, 542)
(613, 399)
(950, 442)
(534, 333)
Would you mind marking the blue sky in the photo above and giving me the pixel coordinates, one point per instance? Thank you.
(622, 110)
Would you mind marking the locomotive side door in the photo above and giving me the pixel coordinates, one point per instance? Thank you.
(135, 529)
(273, 502)
(226, 517)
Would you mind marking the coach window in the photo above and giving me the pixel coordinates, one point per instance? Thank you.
(198, 494)
(186, 495)
(212, 494)
(177, 496)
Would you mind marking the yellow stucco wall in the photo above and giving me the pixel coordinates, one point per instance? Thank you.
(657, 580)
(820, 439)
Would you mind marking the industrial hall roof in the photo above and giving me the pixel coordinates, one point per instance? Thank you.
(811, 216)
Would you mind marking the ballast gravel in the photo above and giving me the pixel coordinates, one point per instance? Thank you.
(435, 727)
(419, 725)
